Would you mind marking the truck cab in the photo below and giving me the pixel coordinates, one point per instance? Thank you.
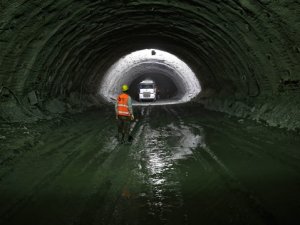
(147, 90)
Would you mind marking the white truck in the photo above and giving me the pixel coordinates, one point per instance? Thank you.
(147, 90)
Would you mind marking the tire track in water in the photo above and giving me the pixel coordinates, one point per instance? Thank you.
(159, 194)
(137, 195)
(108, 185)
(234, 184)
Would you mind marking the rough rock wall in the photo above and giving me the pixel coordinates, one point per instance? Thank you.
(237, 48)
(278, 111)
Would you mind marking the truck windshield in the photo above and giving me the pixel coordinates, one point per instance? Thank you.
(146, 86)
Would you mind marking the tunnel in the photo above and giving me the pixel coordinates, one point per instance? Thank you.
(219, 146)
(175, 81)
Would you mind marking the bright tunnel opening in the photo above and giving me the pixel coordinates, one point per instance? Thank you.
(175, 80)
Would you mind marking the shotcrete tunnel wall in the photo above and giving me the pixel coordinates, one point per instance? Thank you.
(245, 53)
(144, 64)
(139, 72)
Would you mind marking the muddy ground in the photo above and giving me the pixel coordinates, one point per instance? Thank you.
(185, 166)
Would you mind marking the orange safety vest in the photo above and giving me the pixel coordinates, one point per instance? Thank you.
(123, 109)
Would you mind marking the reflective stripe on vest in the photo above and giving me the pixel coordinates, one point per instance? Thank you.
(126, 106)
(123, 109)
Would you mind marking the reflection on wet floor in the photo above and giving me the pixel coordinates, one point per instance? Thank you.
(164, 148)
(182, 168)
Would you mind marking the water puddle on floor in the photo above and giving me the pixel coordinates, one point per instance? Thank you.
(163, 149)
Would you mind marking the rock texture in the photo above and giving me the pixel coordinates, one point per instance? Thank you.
(239, 49)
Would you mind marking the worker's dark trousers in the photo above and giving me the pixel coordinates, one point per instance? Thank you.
(123, 127)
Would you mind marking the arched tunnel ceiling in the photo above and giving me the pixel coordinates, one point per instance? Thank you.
(132, 67)
(244, 47)
(134, 73)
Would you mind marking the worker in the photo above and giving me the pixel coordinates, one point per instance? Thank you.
(124, 115)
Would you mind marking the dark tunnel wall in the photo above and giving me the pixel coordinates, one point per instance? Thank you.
(239, 49)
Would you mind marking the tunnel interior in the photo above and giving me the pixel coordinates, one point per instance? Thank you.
(245, 54)
(171, 75)
(227, 154)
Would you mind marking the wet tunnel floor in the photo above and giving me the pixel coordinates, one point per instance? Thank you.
(185, 166)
